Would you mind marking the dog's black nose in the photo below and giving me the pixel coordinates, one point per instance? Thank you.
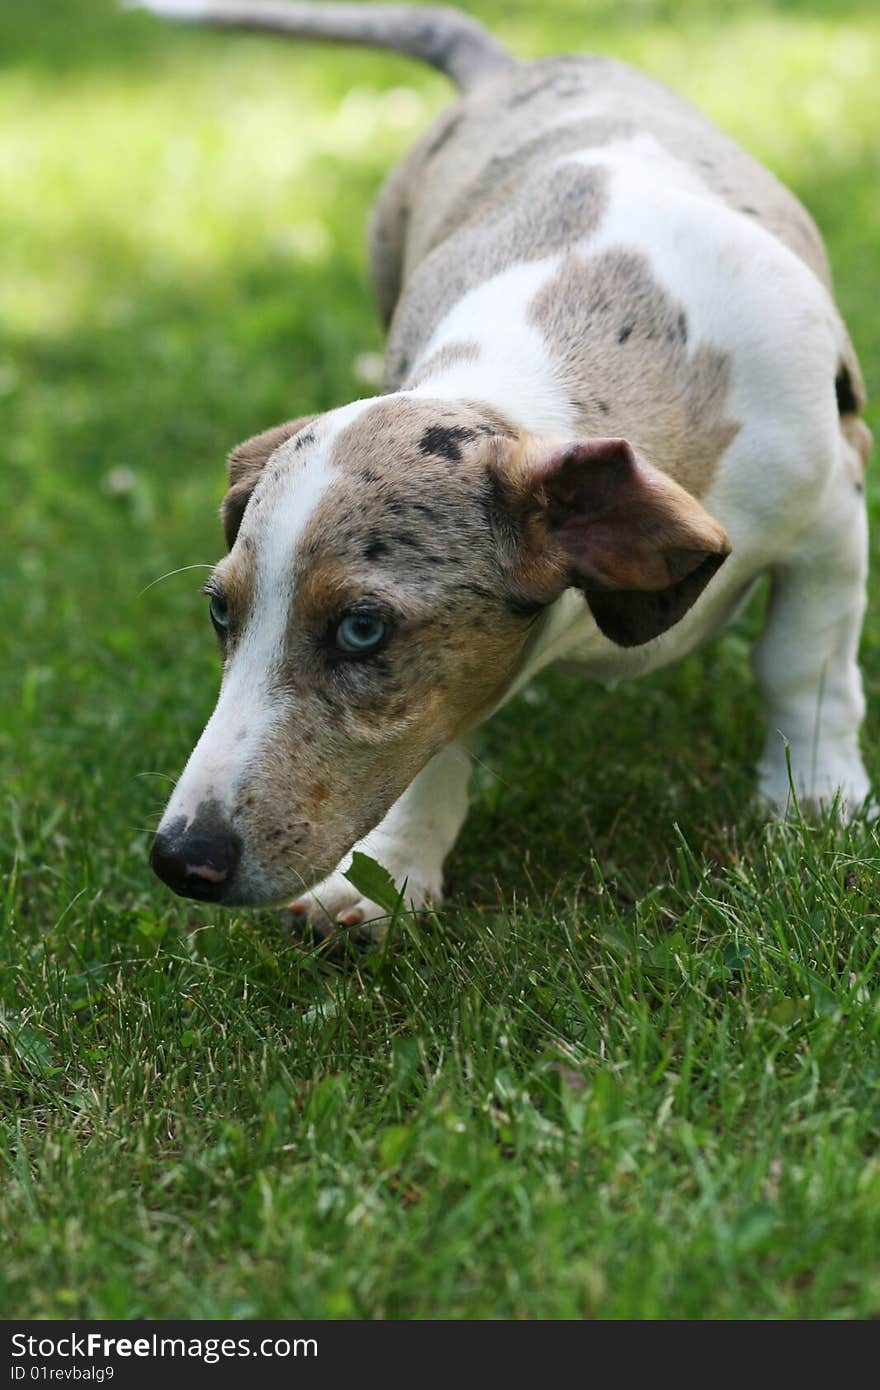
(198, 862)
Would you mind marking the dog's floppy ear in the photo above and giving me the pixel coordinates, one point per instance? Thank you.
(639, 546)
(244, 466)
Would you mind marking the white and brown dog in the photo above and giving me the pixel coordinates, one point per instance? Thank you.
(618, 392)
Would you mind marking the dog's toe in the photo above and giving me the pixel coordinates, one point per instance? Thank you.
(336, 907)
(352, 917)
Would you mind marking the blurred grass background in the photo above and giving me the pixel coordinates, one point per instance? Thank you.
(182, 219)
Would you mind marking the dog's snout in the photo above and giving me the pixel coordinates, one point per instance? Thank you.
(198, 862)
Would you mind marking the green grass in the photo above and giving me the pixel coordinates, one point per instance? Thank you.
(632, 1068)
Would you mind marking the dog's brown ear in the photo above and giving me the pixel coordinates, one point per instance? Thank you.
(640, 547)
(244, 466)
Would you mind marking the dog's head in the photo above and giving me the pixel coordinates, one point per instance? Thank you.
(390, 564)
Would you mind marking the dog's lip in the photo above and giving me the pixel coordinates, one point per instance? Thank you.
(251, 893)
(197, 893)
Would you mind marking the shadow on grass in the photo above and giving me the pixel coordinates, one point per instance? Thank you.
(572, 771)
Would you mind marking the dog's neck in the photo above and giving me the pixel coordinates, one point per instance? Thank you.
(487, 350)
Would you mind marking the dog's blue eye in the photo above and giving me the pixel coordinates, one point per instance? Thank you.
(360, 633)
(219, 613)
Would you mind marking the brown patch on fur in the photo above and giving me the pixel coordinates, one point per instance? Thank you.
(471, 176)
(439, 575)
(530, 175)
(326, 582)
(622, 345)
(537, 213)
(244, 466)
(362, 758)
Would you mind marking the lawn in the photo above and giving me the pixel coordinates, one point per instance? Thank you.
(631, 1068)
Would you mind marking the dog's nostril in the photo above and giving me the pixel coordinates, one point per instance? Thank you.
(205, 871)
(197, 863)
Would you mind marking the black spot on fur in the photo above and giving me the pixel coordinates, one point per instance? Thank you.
(403, 539)
(846, 396)
(302, 440)
(603, 407)
(445, 441)
(752, 212)
(445, 133)
(624, 333)
(375, 548)
(682, 326)
(427, 512)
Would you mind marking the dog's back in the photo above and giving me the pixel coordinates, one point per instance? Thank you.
(492, 161)
(492, 142)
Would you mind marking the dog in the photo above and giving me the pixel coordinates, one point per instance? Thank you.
(617, 393)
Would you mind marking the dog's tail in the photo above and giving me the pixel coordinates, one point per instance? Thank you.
(445, 38)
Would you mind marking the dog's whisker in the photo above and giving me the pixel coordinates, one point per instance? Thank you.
(170, 575)
(493, 772)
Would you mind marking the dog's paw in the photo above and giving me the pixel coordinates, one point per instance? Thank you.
(335, 906)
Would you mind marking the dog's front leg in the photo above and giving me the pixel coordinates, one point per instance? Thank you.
(411, 843)
(806, 663)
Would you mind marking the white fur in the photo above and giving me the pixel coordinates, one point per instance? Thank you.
(513, 371)
(643, 158)
(247, 708)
